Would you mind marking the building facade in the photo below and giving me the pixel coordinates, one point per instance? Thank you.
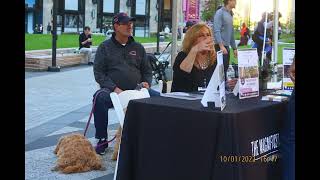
(73, 15)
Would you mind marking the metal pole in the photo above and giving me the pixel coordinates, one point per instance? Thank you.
(158, 30)
(54, 67)
(275, 30)
(174, 30)
(249, 14)
(264, 38)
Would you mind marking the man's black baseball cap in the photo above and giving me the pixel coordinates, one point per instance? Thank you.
(122, 18)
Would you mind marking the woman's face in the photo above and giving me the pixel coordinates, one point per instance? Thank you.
(203, 35)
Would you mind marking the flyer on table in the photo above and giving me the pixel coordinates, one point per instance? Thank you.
(288, 54)
(222, 92)
(248, 73)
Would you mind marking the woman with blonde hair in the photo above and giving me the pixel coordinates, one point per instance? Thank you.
(194, 65)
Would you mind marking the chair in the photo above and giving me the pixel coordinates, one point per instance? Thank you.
(120, 103)
(161, 86)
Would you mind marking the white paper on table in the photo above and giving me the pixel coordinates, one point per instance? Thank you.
(182, 95)
(274, 85)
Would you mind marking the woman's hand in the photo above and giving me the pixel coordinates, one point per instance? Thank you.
(206, 45)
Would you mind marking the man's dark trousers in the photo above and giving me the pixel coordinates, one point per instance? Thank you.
(103, 103)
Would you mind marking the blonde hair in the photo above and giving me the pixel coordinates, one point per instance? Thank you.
(191, 37)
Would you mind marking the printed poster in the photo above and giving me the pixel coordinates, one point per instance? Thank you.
(248, 73)
(288, 54)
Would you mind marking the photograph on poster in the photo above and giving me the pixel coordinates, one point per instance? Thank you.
(249, 72)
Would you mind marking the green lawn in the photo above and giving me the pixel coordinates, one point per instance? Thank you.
(288, 38)
(44, 41)
(280, 49)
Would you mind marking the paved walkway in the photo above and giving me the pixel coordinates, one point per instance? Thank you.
(58, 103)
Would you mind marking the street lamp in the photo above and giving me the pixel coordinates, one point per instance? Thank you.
(54, 67)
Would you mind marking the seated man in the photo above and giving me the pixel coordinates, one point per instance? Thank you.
(120, 64)
(85, 42)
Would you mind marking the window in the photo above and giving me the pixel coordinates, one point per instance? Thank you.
(141, 30)
(71, 5)
(140, 7)
(167, 5)
(107, 21)
(30, 3)
(140, 10)
(70, 21)
(108, 6)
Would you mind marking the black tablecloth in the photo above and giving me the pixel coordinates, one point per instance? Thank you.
(166, 138)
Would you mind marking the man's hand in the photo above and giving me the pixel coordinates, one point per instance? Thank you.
(223, 49)
(145, 85)
(88, 40)
(117, 90)
(235, 52)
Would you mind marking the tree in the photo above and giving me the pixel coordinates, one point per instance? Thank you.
(210, 8)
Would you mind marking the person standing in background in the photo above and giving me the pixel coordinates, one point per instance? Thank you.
(49, 28)
(245, 35)
(40, 29)
(224, 32)
(189, 24)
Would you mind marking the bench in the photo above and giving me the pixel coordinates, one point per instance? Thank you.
(40, 60)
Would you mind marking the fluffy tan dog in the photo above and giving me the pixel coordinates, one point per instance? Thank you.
(76, 154)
